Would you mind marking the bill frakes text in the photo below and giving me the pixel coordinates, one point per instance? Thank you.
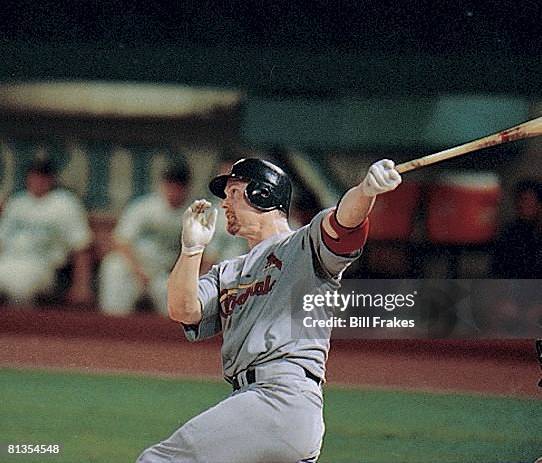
(358, 322)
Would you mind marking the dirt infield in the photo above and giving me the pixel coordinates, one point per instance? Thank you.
(153, 345)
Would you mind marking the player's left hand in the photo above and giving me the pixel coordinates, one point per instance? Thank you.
(199, 222)
(381, 178)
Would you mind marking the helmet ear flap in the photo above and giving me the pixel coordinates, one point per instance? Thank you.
(260, 196)
(262, 191)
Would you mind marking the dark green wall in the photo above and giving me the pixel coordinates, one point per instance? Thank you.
(380, 122)
(284, 72)
(324, 99)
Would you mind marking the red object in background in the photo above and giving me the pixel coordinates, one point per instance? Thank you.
(393, 214)
(463, 209)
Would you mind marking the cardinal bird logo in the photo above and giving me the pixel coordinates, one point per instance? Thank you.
(273, 261)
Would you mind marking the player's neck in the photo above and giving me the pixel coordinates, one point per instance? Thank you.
(267, 229)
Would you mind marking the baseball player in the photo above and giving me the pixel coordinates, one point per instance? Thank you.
(275, 411)
(146, 245)
(41, 228)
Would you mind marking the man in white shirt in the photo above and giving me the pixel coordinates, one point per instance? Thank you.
(146, 245)
(42, 229)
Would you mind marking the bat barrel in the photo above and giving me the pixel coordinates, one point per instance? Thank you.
(532, 128)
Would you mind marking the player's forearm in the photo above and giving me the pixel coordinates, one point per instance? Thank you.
(199, 222)
(343, 233)
(354, 207)
(182, 290)
(352, 210)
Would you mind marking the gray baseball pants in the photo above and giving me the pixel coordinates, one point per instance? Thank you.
(277, 419)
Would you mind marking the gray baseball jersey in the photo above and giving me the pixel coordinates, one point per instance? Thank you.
(252, 300)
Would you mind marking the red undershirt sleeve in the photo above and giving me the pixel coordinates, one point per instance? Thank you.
(348, 239)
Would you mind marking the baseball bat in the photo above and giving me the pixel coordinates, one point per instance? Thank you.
(532, 128)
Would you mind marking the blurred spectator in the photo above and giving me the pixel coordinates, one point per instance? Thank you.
(510, 308)
(518, 250)
(146, 244)
(42, 229)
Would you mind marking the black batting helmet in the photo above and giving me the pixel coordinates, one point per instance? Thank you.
(268, 185)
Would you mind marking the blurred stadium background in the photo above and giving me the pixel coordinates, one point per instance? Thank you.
(114, 90)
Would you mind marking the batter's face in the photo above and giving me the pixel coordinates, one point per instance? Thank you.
(241, 218)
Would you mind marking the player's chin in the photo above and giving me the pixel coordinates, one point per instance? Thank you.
(232, 228)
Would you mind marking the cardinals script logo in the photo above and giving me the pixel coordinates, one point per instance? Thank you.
(230, 298)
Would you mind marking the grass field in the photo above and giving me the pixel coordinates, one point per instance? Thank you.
(110, 419)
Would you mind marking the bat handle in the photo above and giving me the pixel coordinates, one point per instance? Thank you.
(406, 166)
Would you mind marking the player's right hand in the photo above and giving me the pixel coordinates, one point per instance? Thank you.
(382, 177)
(199, 222)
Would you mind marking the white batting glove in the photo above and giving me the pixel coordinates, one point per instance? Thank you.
(199, 223)
(382, 177)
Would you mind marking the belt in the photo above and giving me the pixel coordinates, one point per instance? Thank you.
(248, 376)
